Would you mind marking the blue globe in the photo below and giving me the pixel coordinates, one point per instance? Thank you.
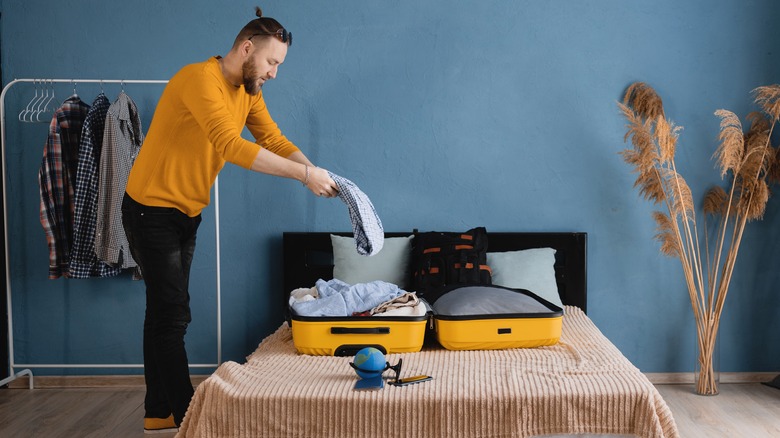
(369, 362)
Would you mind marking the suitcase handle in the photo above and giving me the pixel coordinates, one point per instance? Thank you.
(360, 330)
(351, 350)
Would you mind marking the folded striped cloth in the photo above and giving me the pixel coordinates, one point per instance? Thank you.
(366, 226)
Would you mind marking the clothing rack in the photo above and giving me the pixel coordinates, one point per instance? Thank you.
(26, 367)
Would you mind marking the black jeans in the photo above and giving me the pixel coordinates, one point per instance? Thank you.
(162, 242)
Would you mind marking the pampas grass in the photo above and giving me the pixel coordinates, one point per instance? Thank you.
(746, 161)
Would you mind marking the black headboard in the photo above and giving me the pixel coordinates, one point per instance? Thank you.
(309, 257)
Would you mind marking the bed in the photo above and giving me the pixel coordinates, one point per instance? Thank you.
(582, 386)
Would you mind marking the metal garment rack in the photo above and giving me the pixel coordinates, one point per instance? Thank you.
(26, 371)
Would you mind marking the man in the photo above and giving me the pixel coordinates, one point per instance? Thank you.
(196, 129)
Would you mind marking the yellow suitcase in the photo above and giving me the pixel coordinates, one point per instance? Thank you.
(494, 317)
(345, 336)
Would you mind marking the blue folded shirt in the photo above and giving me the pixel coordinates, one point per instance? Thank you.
(337, 298)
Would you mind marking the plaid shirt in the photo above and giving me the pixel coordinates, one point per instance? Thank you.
(56, 177)
(366, 226)
(83, 260)
(122, 141)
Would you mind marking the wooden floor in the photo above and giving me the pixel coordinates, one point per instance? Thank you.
(741, 410)
(749, 410)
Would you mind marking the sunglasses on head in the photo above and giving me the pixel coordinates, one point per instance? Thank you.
(282, 34)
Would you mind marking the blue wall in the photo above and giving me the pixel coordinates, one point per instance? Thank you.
(449, 115)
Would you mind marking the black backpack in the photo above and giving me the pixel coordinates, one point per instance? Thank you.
(443, 259)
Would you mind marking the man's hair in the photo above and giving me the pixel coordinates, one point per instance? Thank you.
(265, 26)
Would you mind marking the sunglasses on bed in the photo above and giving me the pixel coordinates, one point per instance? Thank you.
(282, 34)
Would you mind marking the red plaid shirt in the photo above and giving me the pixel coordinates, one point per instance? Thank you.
(56, 177)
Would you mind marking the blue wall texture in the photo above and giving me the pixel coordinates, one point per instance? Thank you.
(448, 115)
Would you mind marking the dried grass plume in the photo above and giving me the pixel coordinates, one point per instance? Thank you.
(747, 163)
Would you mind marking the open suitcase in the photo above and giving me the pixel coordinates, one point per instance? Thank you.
(484, 317)
(309, 257)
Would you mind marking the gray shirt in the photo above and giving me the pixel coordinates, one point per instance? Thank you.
(122, 141)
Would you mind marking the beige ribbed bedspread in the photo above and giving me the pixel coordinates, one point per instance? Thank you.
(581, 385)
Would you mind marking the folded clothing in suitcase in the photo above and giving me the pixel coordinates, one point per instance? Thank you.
(493, 317)
(394, 326)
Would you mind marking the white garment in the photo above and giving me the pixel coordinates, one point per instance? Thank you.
(122, 141)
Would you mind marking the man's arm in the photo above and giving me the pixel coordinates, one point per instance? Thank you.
(295, 166)
(299, 157)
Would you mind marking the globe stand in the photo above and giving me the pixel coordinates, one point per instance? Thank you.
(369, 364)
(370, 384)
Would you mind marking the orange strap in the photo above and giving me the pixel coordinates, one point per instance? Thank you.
(457, 266)
(437, 249)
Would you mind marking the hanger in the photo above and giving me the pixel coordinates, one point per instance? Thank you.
(32, 112)
(39, 104)
(28, 108)
(38, 110)
(51, 84)
(46, 105)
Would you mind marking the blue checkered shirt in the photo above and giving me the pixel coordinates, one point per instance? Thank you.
(84, 262)
(369, 234)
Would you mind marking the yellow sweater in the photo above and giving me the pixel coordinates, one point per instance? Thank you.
(197, 128)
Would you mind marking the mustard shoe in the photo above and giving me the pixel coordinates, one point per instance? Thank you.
(160, 425)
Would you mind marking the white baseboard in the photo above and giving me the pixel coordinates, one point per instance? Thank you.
(49, 382)
(687, 378)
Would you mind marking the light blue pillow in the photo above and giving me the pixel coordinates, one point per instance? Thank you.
(391, 264)
(530, 269)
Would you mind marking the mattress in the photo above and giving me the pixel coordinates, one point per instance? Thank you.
(581, 385)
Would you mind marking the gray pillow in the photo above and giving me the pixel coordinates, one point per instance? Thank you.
(486, 300)
(391, 264)
(530, 269)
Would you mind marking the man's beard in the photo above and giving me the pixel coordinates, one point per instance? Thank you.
(251, 85)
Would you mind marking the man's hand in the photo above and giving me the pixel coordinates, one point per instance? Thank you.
(320, 183)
